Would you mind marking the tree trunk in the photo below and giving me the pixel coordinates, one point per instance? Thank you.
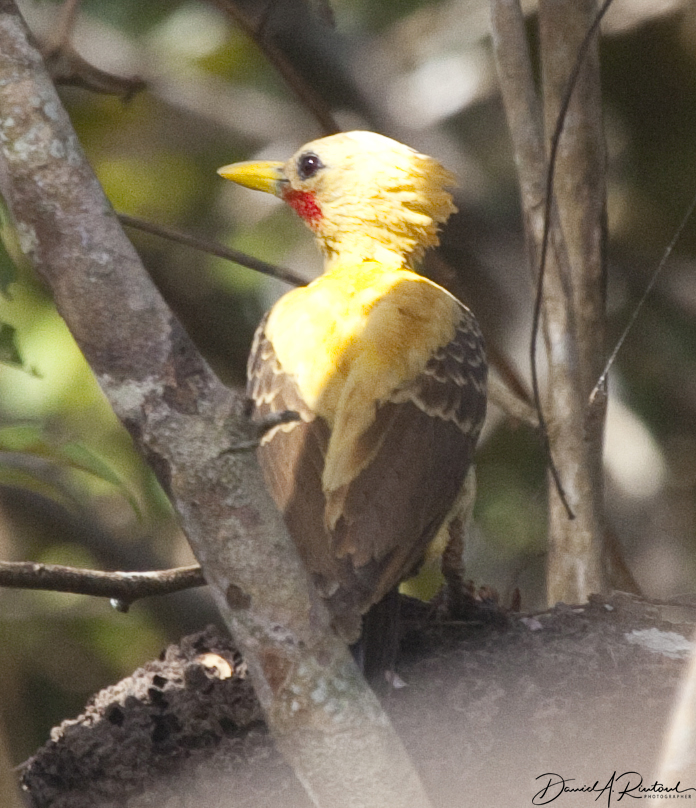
(325, 719)
(574, 281)
(574, 316)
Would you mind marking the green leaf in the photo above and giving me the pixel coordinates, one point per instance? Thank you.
(30, 439)
(79, 457)
(9, 352)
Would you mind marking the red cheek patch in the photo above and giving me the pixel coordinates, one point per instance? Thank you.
(304, 204)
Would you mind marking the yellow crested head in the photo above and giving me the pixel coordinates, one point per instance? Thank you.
(361, 193)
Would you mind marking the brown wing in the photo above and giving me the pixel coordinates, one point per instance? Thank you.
(394, 507)
(292, 460)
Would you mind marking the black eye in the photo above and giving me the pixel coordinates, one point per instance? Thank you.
(308, 164)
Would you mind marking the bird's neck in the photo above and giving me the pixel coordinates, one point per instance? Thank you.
(353, 252)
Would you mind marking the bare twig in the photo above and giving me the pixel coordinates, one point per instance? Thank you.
(509, 375)
(512, 405)
(125, 587)
(66, 22)
(67, 67)
(306, 94)
(213, 248)
(602, 381)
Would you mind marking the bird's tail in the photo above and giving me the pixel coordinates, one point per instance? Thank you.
(377, 649)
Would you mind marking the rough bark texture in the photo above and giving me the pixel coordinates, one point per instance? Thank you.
(186, 423)
(574, 282)
(576, 692)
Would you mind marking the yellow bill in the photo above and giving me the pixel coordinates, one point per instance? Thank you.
(260, 176)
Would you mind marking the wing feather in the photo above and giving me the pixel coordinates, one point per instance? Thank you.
(385, 517)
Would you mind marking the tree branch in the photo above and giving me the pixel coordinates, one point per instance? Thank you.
(66, 66)
(213, 248)
(523, 110)
(305, 93)
(125, 587)
(574, 316)
(573, 292)
(182, 418)
(515, 407)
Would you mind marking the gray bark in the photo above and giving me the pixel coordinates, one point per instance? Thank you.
(321, 713)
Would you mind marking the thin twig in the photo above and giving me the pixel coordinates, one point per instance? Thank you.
(601, 382)
(123, 587)
(213, 248)
(302, 89)
(66, 22)
(68, 68)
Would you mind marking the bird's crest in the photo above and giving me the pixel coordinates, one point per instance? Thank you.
(364, 195)
(374, 194)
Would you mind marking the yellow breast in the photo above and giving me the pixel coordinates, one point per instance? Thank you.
(381, 325)
(353, 337)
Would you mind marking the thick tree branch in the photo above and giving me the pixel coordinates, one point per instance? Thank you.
(574, 316)
(183, 419)
(573, 292)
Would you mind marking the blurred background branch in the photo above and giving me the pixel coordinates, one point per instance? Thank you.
(570, 278)
(306, 93)
(573, 302)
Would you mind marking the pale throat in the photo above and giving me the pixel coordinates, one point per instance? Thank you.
(355, 251)
(354, 242)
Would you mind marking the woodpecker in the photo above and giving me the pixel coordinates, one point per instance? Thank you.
(385, 369)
